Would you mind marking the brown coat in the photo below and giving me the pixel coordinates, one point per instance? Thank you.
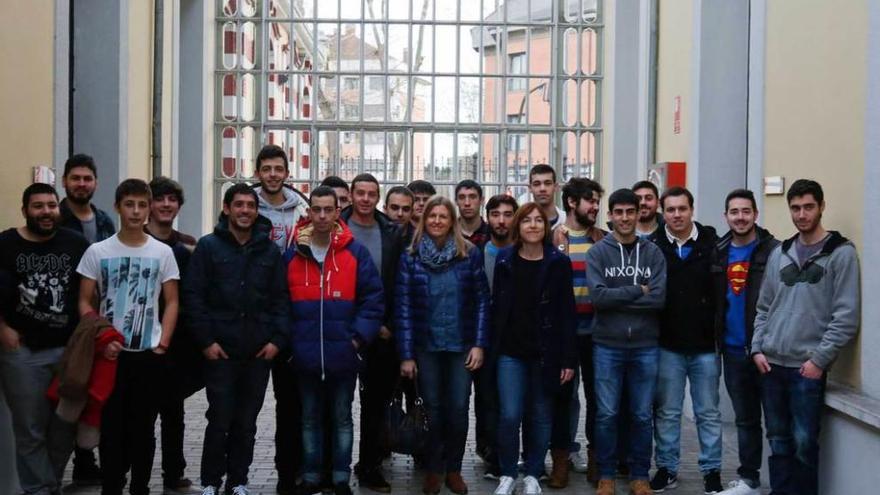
(559, 236)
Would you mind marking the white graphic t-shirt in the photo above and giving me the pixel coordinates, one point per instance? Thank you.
(129, 285)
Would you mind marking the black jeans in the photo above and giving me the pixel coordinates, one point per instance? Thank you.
(128, 420)
(377, 385)
(235, 390)
(288, 422)
(486, 409)
(184, 377)
(744, 387)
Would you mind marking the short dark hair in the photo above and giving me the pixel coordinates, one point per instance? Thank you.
(542, 168)
(469, 184)
(421, 187)
(272, 151)
(161, 186)
(36, 188)
(323, 192)
(240, 188)
(334, 181)
(80, 160)
(675, 192)
(741, 194)
(579, 188)
(520, 215)
(364, 178)
(132, 187)
(802, 187)
(501, 199)
(400, 190)
(622, 197)
(642, 184)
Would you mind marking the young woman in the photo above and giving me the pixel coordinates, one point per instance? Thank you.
(534, 340)
(442, 316)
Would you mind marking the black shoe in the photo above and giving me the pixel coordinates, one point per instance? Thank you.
(373, 480)
(308, 489)
(85, 468)
(179, 485)
(342, 489)
(663, 480)
(712, 482)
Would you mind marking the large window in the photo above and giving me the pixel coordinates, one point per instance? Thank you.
(441, 90)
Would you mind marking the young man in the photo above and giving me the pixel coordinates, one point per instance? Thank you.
(284, 207)
(422, 190)
(184, 372)
(399, 203)
(575, 237)
(807, 311)
(499, 211)
(738, 268)
(333, 322)
(543, 187)
(39, 260)
(379, 235)
(687, 344)
(235, 296)
(649, 219)
(626, 277)
(128, 273)
(469, 199)
(340, 187)
(80, 180)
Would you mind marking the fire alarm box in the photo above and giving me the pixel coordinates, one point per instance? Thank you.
(668, 174)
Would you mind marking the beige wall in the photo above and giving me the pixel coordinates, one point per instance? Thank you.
(814, 115)
(26, 98)
(675, 19)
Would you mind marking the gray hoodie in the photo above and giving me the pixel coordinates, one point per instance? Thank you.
(284, 217)
(624, 315)
(810, 312)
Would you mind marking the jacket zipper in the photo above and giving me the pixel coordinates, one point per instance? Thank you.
(321, 326)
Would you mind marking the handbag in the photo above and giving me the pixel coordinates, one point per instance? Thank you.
(406, 429)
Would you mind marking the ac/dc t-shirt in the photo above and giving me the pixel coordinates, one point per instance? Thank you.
(40, 286)
(129, 283)
(737, 274)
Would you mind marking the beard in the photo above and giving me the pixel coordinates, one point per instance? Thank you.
(584, 219)
(500, 236)
(79, 199)
(33, 225)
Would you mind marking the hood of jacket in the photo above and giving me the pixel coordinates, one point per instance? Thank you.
(339, 238)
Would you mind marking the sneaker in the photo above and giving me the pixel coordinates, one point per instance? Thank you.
(505, 486)
(342, 489)
(240, 490)
(493, 472)
(209, 490)
(663, 480)
(373, 480)
(544, 477)
(740, 487)
(577, 462)
(531, 486)
(712, 482)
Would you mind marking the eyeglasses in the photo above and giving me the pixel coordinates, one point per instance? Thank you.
(327, 210)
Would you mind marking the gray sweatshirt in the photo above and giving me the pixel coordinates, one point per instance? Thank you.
(624, 315)
(810, 312)
(284, 217)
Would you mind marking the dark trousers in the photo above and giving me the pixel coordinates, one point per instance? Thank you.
(288, 423)
(585, 354)
(793, 414)
(377, 385)
(744, 387)
(486, 410)
(445, 385)
(235, 390)
(128, 421)
(184, 377)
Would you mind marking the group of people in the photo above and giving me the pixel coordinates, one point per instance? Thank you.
(103, 332)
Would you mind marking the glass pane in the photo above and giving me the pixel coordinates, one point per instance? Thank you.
(299, 154)
(328, 153)
(470, 10)
(446, 10)
(248, 8)
(350, 48)
(278, 137)
(398, 98)
(469, 100)
(230, 7)
(248, 45)
(302, 94)
(469, 50)
(374, 9)
(398, 48)
(570, 10)
(587, 158)
(541, 11)
(445, 55)
(589, 51)
(516, 50)
(490, 54)
(591, 13)
(351, 9)
(374, 98)
(279, 46)
(492, 94)
(588, 102)
(374, 154)
(350, 154)
(569, 102)
(230, 48)
(568, 146)
(281, 8)
(570, 51)
(228, 104)
(421, 101)
(248, 144)
(328, 35)
(421, 151)
(423, 10)
(303, 9)
(396, 156)
(423, 45)
(399, 9)
(443, 157)
(517, 156)
(468, 155)
(374, 47)
(540, 51)
(248, 97)
(278, 96)
(539, 101)
(327, 89)
(489, 167)
(444, 99)
(228, 152)
(351, 98)
(328, 9)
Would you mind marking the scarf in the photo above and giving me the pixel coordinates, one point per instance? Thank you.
(434, 258)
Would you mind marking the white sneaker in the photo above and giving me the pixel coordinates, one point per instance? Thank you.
(578, 463)
(531, 486)
(240, 490)
(505, 486)
(740, 487)
(209, 490)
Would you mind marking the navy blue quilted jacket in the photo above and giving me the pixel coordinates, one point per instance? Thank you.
(412, 307)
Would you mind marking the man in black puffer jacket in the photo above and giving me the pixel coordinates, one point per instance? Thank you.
(687, 343)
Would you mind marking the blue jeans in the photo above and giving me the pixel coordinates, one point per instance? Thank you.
(793, 415)
(338, 394)
(235, 390)
(635, 372)
(43, 442)
(703, 371)
(744, 387)
(445, 385)
(520, 384)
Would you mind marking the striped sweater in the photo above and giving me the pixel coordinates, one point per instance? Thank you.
(575, 244)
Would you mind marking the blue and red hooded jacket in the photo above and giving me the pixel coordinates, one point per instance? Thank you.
(332, 303)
